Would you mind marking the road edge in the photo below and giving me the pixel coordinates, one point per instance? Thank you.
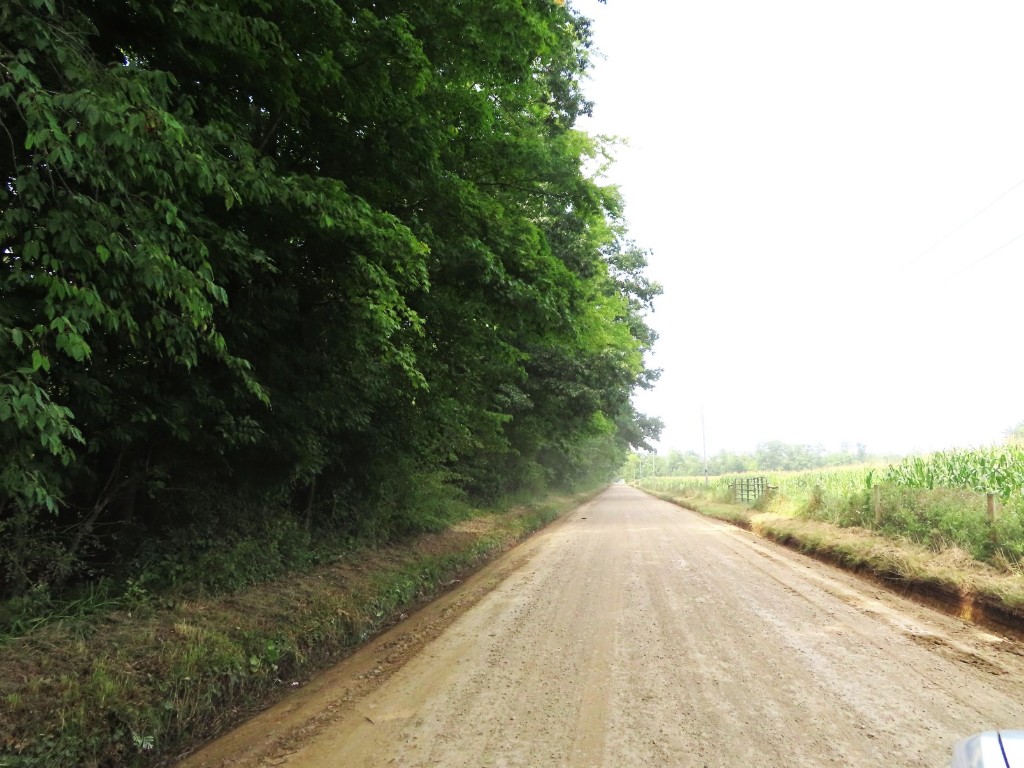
(330, 691)
(963, 598)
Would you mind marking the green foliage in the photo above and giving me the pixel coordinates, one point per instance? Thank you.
(1008, 533)
(938, 501)
(341, 258)
(215, 559)
(772, 456)
(939, 518)
(37, 607)
(997, 470)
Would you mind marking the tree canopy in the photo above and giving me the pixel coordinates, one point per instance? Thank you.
(317, 254)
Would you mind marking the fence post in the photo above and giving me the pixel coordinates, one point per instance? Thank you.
(876, 503)
(990, 503)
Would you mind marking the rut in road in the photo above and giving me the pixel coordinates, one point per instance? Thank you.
(637, 633)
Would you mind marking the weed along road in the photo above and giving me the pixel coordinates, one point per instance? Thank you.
(634, 633)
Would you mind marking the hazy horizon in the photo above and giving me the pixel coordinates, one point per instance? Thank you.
(833, 198)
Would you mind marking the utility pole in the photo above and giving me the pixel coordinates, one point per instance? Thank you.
(704, 439)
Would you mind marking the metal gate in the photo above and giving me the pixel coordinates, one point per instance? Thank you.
(748, 488)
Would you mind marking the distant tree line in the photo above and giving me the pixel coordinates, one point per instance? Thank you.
(305, 266)
(772, 456)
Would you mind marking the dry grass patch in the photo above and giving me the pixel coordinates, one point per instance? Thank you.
(971, 589)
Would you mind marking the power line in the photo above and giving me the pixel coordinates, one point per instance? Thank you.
(975, 263)
(960, 226)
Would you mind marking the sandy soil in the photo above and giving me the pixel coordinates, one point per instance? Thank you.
(634, 633)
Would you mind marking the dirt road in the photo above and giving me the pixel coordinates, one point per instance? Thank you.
(634, 633)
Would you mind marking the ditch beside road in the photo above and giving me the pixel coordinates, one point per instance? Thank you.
(633, 632)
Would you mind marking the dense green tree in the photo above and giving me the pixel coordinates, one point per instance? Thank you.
(316, 253)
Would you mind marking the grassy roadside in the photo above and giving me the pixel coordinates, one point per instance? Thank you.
(949, 579)
(138, 685)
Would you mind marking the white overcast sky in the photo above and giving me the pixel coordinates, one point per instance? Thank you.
(806, 173)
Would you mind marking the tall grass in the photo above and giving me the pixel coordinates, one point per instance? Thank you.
(938, 500)
(688, 486)
(837, 482)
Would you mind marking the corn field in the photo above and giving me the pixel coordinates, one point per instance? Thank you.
(937, 500)
(998, 470)
(985, 470)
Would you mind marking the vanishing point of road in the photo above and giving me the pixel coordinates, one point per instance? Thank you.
(634, 633)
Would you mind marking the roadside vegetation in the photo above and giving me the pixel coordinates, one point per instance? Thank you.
(294, 271)
(773, 455)
(136, 679)
(952, 521)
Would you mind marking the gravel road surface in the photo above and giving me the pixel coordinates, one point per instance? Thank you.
(634, 633)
